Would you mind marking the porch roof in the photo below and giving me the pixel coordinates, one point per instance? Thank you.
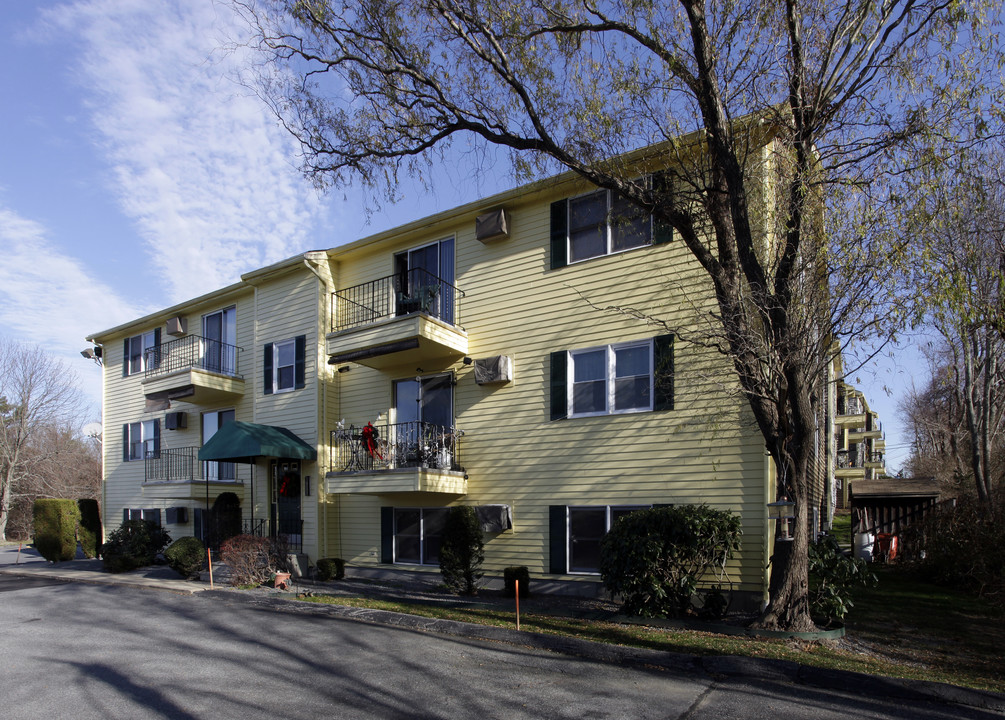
(242, 442)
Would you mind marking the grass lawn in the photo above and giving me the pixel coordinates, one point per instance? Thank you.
(902, 628)
(841, 527)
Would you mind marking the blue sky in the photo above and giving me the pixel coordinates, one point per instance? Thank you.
(136, 172)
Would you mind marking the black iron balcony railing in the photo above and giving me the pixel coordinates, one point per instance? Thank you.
(849, 459)
(399, 445)
(876, 457)
(192, 351)
(850, 406)
(393, 296)
(183, 465)
(289, 533)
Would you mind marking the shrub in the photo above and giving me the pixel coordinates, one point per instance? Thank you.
(832, 577)
(55, 524)
(962, 546)
(247, 556)
(134, 544)
(462, 550)
(331, 569)
(511, 575)
(89, 529)
(186, 556)
(655, 558)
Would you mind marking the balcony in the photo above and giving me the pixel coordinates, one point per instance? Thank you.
(850, 464)
(193, 369)
(872, 428)
(396, 458)
(177, 473)
(875, 460)
(406, 317)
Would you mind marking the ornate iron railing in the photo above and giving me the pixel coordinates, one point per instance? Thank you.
(192, 351)
(289, 538)
(398, 445)
(849, 459)
(395, 295)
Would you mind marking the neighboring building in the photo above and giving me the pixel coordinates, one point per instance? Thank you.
(860, 442)
(467, 358)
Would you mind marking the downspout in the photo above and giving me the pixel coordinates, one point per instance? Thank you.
(322, 424)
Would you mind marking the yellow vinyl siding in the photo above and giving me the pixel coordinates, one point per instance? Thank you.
(705, 450)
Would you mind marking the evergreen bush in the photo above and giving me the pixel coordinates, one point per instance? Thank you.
(654, 558)
(186, 556)
(331, 569)
(89, 528)
(55, 523)
(511, 575)
(462, 550)
(832, 577)
(134, 544)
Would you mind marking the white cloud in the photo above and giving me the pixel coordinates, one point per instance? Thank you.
(200, 164)
(52, 300)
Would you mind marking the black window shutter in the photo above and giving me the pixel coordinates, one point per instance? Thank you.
(125, 357)
(157, 438)
(197, 528)
(662, 230)
(387, 534)
(559, 234)
(125, 514)
(559, 387)
(663, 375)
(299, 357)
(267, 369)
(558, 545)
(125, 443)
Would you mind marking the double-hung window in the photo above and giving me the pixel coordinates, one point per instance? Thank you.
(141, 440)
(284, 365)
(628, 377)
(601, 222)
(611, 379)
(140, 352)
(586, 528)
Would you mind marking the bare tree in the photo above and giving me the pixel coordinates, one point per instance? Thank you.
(38, 397)
(962, 220)
(838, 98)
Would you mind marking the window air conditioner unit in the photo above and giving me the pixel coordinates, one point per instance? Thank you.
(491, 226)
(175, 421)
(177, 326)
(496, 369)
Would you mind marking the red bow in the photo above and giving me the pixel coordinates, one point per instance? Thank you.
(369, 439)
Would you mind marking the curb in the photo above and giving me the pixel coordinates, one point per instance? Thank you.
(713, 666)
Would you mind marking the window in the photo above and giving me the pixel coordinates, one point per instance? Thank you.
(283, 366)
(219, 331)
(418, 533)
(140, 352)
(211, 423)
(627, 377)
(611, 379)
(141, 440)
(602, 223)
(586, 529)
(150, 515)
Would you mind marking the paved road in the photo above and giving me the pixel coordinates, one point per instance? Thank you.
(85, 651)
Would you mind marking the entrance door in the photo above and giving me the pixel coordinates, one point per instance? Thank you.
(219, 331)
(285, 520)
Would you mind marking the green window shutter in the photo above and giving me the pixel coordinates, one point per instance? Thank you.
(662, 230)
(387, 534)
(125, 358)
(559, 387)
(125, 443)
(125, 514)
(267, 369)
(157, 438)
(663, 372)
(558, 544)
(299, 356)
(559, 234)
(155, 357)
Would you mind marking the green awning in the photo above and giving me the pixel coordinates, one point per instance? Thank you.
(242, 442)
